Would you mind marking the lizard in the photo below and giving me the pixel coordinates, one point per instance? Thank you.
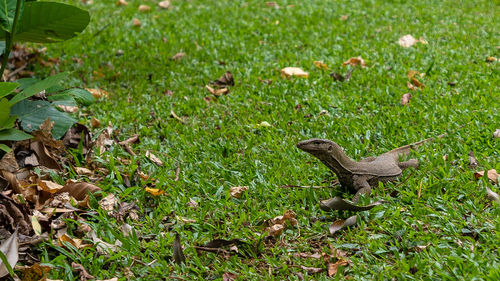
(359, 177)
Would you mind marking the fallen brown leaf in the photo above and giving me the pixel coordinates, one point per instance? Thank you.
(320, 65)
(311, 270)
(293, 71)
(49, 186)
(491, 174)
(121, 3)
(340, 224)
(225, 80)
(79, 190)
(164, 4)
(95, 123)
(344, 17)
(237, 191)
(178, 56)
(136, 22)
(108, 203)
(153, 158)
(83, 171)
(496, 133)
(9, 163)
(34, 272)
(408, 41)
(229, 276)
(405, 99)
(472, 160)
(332, 268)
(306, 255)
(272, 5)
(417, 83)
(192, 203)
(132, 139)
(68, 108)
(493, 196)
(144, 8)
(9, 248)
(354, 61)
(84, 275)
(99, 93)
(491, 59)
(176, 117)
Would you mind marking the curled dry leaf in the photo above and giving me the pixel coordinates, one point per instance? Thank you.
(95, 123)
(144, 8)
(136, 22)
(417, 83)
(79, 190)
(217, 92)
(192, 203)
(153, 158)
(492, 175)
(496, 133)
(176, 117)
(413, 73)
(320, 65)
(491, 59)
(408, 41)
(108, 203)
(121, 3)
(164, 4)
(275, 230)
(83, 171)
(405, 99)
(332, 268)
(9, 248)
(35, 272)
(340, 224)
(178, 56)
(493, 196)
(68, 108)
(99, 93)
(154, 191)
(84, 275)
(354, 61)
(237, 191)
(78, 135)
(311, 270)
(75, 242)
(8, 162)
(472, 160)
(294, 71)
(225, 80)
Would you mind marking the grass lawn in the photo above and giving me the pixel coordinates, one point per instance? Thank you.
(439, 225)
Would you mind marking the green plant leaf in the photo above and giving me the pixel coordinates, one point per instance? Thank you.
(81, 96)
(5, 148)
(7, 12)
(37, 87)
(9, 123)
(47, 22)
(4, 111)
(7, 88)
(13, 135)
(33, 113)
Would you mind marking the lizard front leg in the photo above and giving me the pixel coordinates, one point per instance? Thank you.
(360, 184)
(406, 164)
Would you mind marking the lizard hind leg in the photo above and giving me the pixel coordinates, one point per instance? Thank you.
(406, 164)
(362, 186)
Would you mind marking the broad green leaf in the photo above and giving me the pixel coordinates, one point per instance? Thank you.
(5, 148)
(4, 111)
(7, 12)
(62, 100)
(7, 87)
(47, 22)
(13, 135)
(33, 113)
(38, 87)
(26, 82)
(2, 47)
(82, 96)
(9, 123)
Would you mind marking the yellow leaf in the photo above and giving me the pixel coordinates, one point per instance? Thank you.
(320, 65)
(154, 191)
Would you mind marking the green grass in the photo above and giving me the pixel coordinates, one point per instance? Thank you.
(219, 146)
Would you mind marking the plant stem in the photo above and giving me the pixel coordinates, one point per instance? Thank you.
(9, 38)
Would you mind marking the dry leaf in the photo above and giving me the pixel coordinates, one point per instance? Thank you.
(192, 203)
(9, 248)
(99, 93)
(405, 99)
(153, 158)
(154, 191)
(492, 175)
(37, 228)
(217, 92)
(164, 4)
(229, 276)
(68, 108)
(275, 230)
(82, 171)
(144, 8)
(320, 65)
(77, 243)
(178, 56)
(493, 196)
(340, 224)
(49, 186)
(337, 77)
(178, 254)
(9, 163)
(136, 22)
(84, 275)
(413, 73)
(121, 3)
(95, 123)
(496, 133)
(263, 124)
(472, 160)
(108, 203)
(417, 83)
(79, 190)
(408, 41)
(185, 220)
(132, 139)
(306, 255)
(293, 71)
(332, 268)
(355, 61)
(102, 247)
(344, 17)
(35, 272)
(237, 191)
(225, 80)
(311, 270)
(272, 5)
(176, 117)
(491, 59)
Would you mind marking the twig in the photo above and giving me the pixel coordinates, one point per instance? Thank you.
(177, 172)
(213, 250)
(303, 186)
(17, 71)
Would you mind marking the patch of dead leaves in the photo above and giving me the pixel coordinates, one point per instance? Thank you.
(278, 224)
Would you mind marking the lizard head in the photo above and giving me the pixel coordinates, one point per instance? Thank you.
(316, 146)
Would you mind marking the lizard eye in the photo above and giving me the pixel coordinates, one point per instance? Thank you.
(330, 148)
